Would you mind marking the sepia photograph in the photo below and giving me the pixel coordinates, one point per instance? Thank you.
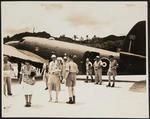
(83, 59)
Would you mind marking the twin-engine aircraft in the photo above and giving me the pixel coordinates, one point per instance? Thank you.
(132, 58)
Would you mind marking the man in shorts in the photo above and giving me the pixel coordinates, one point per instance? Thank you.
(112, 71)
(70, 77)
(98, 70)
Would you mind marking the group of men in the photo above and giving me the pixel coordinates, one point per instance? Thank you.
(58, 71)
(98, 64)
(61, 70)
(64, 70)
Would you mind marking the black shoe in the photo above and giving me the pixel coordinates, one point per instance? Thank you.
(113, 85)
(70, 101)
(86, 81)
(74, 100)
(108, 85)
(92, 80)
(27, 105)
(10, 94)
(46, 88)
(100, 83)
(96, 83)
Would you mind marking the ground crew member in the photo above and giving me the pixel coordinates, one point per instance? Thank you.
(70, 77)
(112, 71)
(53, 80)
(88, 70)
(98, 70)
(7, 76)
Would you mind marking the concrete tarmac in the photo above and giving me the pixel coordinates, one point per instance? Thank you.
(92, 101)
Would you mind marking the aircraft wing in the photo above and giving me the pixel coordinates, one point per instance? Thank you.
(134, 55)
(21, 54)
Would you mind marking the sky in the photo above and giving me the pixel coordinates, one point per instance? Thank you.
(72, 18)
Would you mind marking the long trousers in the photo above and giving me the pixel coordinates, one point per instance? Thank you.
(98, 75)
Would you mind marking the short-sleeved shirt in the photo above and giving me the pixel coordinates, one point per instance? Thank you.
(88, 65)
(7, 66)
(72, 67)
(113, 65)
(97, 65)
(53, 67)
(26, 70)
(7, 69)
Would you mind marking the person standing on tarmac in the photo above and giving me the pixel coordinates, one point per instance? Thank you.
(70, 77)
(45, 73)
(88, 70)
(7, 76)
(64, 67)
(54, 79)
(98, 70)
(112, 71)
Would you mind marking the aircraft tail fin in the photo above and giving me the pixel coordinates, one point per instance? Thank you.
(135, 41)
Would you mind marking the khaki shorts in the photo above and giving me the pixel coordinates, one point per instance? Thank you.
(113, 73)
(71, 80)
(54, 82)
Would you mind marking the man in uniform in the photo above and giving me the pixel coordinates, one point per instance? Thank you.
(98, 70)
(112, 71)
(70, 77)
(88, 70)
(7, 76)
(54, 79)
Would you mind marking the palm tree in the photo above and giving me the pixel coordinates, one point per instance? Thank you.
(87, 37)
(75, 37)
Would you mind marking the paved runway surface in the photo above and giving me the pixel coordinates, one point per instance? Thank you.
(92, 101)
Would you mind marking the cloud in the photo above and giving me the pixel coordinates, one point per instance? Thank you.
(87, 20)
(51, 6)
(82, 20)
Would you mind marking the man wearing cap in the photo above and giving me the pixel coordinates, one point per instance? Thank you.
(70, 77)
(112, 71)
(88, 70)
(53, 80)
(98, 70)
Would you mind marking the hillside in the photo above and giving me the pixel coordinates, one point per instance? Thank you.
(110, 42)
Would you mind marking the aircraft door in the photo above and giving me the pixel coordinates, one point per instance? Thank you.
(91, 56)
